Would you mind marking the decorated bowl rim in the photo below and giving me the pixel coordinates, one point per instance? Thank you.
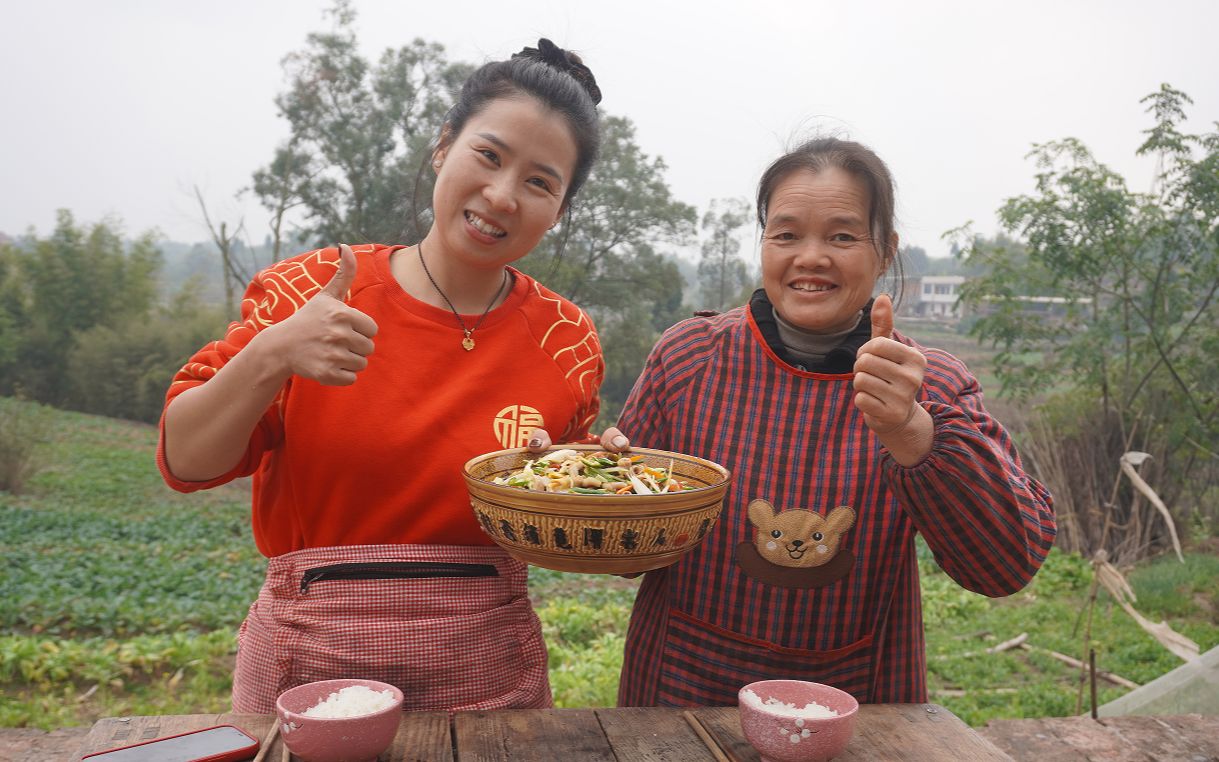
(572, 497)
(762, 710)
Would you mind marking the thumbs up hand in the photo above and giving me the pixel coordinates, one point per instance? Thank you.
(326, 340)
(882, 317)
(888, 377)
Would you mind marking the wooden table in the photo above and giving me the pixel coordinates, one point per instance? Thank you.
(882, 732)
(1190, 737)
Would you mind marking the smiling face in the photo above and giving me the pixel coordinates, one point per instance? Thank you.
(501, 182)
(819, 265)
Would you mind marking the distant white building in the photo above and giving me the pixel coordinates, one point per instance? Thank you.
(932, 296)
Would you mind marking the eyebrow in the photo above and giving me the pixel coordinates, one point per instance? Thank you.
(838, 219)
(494, 140)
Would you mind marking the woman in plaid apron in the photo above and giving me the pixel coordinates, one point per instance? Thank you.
(377, 567)
(844, 438)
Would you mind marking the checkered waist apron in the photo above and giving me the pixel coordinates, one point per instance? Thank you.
(449, 625)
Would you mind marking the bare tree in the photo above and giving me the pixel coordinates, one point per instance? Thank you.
(235, 275)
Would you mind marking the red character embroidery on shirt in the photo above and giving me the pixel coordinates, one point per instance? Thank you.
(796, 548)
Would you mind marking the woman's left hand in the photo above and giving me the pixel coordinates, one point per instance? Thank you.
(888, 377)
(539, 441)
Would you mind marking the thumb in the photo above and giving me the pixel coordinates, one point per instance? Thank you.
(882, 317)
(344, 276)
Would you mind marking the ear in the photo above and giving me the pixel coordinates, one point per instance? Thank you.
(559, 217)
(438, 159)
(760, 513)
(840, 519)
(891, 254)
(442, 146)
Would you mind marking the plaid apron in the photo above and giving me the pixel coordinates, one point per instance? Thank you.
(451, 626)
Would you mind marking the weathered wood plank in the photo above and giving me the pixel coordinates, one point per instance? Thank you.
(724, 723)
(31, 743)
(1029, 739)
(916, 732)
(1203, 729)
(1159, 738)
(1121, 739)
(422, 737)
(651, 735)
(530, 735)
(1094, 740)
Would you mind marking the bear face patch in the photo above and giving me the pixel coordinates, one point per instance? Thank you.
(796, 548)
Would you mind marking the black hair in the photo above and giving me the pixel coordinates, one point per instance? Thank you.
(557, 78)
(861, 162)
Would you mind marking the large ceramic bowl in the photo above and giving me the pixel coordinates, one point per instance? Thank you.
(781, 735)
(336, 739)
(609, 534)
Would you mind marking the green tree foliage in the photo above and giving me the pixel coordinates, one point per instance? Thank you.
(723, 276)
(81, 326)
(281, 187)
(123, 371)
(915, 260)
(360, 134)
(64, 284)
(12, 311)
(1131, 281)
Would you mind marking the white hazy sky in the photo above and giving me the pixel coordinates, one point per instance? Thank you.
(119, 108)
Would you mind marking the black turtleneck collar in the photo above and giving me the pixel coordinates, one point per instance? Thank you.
(841, 359)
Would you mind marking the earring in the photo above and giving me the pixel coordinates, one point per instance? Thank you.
(437, 163)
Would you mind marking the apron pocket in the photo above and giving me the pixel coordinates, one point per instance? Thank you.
(706, 665)
(449, 635)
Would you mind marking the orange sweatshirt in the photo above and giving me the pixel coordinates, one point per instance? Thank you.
(380, 461)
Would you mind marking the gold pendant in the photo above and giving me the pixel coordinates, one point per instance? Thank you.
(467, 342)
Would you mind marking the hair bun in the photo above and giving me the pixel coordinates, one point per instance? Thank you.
(552, 55)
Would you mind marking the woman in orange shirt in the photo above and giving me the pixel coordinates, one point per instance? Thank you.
(377, 567)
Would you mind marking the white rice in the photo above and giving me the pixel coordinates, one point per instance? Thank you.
(811, 710)
(352, 701)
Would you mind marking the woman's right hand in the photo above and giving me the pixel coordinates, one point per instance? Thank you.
(208, 427)
(325, 340)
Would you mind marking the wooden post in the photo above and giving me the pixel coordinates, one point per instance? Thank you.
(1092, 677)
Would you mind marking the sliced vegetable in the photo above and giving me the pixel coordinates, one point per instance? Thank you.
(600, 473)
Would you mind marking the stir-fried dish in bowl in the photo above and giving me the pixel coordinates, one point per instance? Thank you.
(579, 508)
(596, 473)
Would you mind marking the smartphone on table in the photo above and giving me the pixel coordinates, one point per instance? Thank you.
(222, 743)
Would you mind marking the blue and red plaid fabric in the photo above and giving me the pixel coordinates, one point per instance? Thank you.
(702, 628)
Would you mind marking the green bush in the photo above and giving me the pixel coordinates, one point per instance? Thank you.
(124, 371)
(24, 428)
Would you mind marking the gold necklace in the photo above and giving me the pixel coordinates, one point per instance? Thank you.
(468, 341)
